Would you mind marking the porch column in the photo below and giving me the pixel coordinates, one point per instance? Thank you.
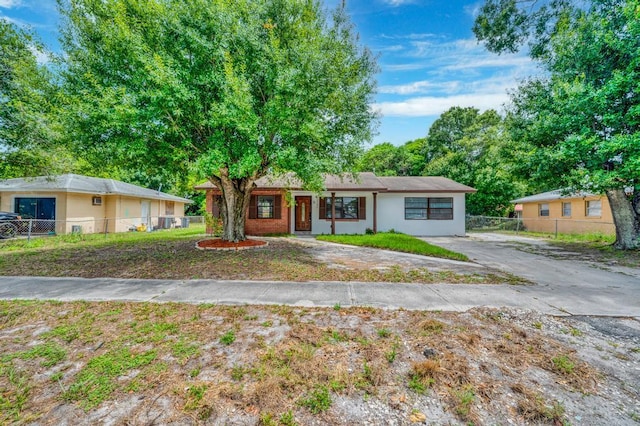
(333, 213)
(375, 212)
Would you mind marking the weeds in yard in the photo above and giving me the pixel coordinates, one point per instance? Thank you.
(15, 394)
(50, 353)
(533, 407)
(422, 375)
(563, 364)
(97, 380)
(463, 399)
(228, 338)
(317, 400)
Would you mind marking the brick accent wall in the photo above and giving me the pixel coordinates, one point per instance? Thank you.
(261, 226)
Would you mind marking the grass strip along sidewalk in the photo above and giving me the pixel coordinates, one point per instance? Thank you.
(396, 242)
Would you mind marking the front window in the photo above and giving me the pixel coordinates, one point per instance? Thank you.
(169, 208)
(266, 205)
(594, 208)
(440, 209)
(346, 207)
(543, 209)
(415, 208)
(566, 209)
(421, 208)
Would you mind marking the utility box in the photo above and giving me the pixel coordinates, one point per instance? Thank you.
(184, 222)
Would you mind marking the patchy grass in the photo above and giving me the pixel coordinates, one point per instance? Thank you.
(396, 242)
(172, 255)
(167, 363)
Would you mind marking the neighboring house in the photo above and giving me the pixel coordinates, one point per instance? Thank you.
(86, 204)
(425, 206)
(574, 213)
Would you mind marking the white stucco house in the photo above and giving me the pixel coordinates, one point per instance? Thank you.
(416, 205)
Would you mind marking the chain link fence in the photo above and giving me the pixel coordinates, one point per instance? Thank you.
(543, 225)
(39, 227)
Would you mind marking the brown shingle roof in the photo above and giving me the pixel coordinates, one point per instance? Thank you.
(366, 181)
(423, 184)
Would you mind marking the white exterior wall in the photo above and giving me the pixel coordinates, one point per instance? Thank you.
(391, 215)
(323, 226)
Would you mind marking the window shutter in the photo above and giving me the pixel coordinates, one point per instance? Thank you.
(323, 208)
(362, 213)
(253, 207)
(277, 207)
(215, 208)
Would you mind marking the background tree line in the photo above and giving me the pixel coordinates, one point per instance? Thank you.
(470, 147)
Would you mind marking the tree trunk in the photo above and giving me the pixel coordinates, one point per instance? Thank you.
(236, 194)
(625, 219)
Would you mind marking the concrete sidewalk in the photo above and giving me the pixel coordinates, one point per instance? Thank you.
(445, 297)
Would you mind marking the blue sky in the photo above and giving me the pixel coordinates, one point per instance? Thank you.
(429, 59)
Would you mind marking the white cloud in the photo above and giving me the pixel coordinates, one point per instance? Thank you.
(433, 106)
(10, 4)
(473, 9)
(412, 36)
(394, 48)
(396, 3)
(424, 86)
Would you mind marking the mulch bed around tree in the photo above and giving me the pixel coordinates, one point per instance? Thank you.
(220, 244)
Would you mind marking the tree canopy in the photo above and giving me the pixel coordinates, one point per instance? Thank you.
(28, 120)
(229, 89)
(581, 120)
(465, 145)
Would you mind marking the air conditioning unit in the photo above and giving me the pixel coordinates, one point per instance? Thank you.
(96, 201)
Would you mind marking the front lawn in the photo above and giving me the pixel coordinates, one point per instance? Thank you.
(171, 254)
(396, 242)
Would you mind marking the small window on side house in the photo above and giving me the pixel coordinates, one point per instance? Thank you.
(96, 201)
(169, 207)
(594, 208)
(566, 209)
(543, 209)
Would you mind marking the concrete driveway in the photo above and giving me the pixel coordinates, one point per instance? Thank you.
(571, 285)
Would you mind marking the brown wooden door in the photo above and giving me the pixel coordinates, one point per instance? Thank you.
(303, 213)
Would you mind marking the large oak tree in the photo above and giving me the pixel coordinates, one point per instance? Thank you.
(229, 89)
(582, 118)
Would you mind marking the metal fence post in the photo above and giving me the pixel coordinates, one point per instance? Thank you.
(106, 227)
(29, 230)
(556, 229)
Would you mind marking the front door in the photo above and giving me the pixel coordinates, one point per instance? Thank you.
(145, 212)
(303, 213)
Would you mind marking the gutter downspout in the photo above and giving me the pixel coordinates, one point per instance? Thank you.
(375, 212)
(333, 213)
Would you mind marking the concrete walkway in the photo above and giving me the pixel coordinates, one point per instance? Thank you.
(562, 287)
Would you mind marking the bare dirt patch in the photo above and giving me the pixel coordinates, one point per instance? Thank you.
(141, 363)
